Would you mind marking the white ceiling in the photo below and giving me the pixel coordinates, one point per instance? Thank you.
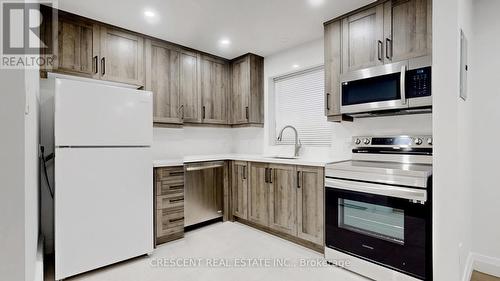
(262, 27)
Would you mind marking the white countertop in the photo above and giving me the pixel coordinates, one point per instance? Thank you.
(306, 161)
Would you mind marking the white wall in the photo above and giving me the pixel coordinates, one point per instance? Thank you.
(19, 174)
(451, 211)
(483, 117)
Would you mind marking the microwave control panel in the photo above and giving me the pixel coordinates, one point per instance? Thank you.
(418, 82)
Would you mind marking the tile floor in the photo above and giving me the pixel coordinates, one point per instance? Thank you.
(218, 243)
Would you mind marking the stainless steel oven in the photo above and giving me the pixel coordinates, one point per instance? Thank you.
(378, 208)
(398, 87)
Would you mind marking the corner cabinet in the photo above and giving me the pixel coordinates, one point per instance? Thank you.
(248, 90)
(122, 56)
(381, 33)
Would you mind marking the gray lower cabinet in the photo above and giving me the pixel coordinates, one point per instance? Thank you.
(239, 191)
(168, 204)
(258, 194)
(287, 199)
(283, 198)
(310, 201)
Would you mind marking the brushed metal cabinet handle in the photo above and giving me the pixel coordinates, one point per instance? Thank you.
(388, 42)
(96, 64)
(379, 50)
(103, 66)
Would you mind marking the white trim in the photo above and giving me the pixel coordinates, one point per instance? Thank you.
(482, 263)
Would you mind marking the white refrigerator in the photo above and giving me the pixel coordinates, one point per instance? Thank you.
(103, 203)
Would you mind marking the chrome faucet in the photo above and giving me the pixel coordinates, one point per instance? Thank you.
(298, 143)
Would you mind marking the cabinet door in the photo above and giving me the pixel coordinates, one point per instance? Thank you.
(214, 87)
(258, 195)
(408, 29)
(283, 199)
(191, 105)
(310, 210)
(240, 189)
(332, 68)
(122, 56)
(241, 91)
(362, 36)
(162, 78)
(76, 48)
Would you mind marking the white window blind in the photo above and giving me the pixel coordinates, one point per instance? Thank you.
(299, 101)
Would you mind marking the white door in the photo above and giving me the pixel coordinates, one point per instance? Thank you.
(93, 114)
(103, 207)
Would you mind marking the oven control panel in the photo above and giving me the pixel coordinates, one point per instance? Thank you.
(393, 141)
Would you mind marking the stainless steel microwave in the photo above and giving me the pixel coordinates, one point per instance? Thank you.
(401, 87)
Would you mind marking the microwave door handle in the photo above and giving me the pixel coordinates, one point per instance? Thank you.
(402, 85)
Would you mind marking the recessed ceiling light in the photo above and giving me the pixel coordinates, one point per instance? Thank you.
(149, 14)
(316, 3)
(225, 42)
(295, 66)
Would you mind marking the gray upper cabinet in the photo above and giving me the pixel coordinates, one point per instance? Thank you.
(248, 90)
(408, 29)
(333, 68)
(76, 48)
(163, 67)
(189, 88)
(362, 39)
(122, 56)
(214, 90)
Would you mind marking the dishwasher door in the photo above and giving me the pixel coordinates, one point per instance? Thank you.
(203, 194)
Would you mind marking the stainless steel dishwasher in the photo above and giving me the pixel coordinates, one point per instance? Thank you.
(203, 194)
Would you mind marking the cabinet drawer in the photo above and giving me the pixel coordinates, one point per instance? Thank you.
(171, 174)
(169, 201)
(167, 187)
(169, 222)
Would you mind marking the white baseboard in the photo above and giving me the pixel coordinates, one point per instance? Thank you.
(481, 263)
(39, 261)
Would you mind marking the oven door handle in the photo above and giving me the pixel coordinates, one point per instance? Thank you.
(413, 194)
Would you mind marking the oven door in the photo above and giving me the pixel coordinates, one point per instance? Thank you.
(389, 231)
(374, 89)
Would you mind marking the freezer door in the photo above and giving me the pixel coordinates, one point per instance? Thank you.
(93, 114)
(103, 207)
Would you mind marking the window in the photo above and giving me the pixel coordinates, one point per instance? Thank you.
(299, 101)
